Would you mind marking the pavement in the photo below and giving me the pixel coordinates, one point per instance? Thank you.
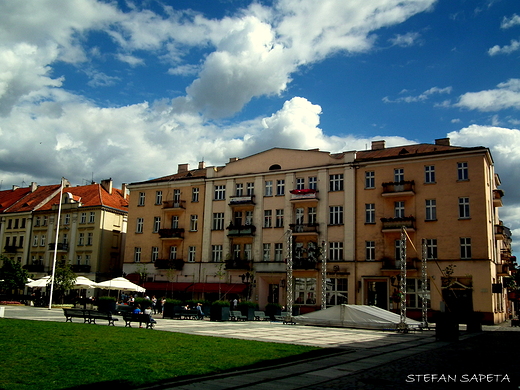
(350, 359)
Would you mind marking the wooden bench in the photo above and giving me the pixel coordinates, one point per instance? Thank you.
(99, 315)
(284, 317)
(141, 318)
(75, 313)
(189, 314)
(260, 316)
(236, 315)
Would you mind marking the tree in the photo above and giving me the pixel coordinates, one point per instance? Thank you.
(64, 278)
(12, 275)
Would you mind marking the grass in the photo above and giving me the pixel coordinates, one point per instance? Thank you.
(50, 355)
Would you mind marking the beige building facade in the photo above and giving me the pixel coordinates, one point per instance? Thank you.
(227, 232)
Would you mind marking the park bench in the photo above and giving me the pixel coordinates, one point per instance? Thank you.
(260, 316)
(75, 313)
(99, 315)
(141, 318)
(89, 316)
(188, 314)
(236, 315)
(284, 317)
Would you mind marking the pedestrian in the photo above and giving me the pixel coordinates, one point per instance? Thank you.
(154, 304)
(200, 313)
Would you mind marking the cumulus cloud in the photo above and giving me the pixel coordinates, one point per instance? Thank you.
(510, 22)
(506, 95)
(405, 40)
(508, 49)
(418, 98)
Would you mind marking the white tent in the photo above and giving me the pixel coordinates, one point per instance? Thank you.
(354, 316)
(121, 284)
(83, 282)
(43, 282)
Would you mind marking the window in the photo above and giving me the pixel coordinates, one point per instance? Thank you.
(464, 208)
(278, 252)
(140, 199)
(335, 251)
(429, 174)
(218, 221)
(370, 213)
(399, 175)
(370, 179)
(92, 217)
(156, 224)
(337, 291)
(83, 218)
(268, 188)
(249, 217)
(236, 251)
(311, 215)
(220, 192)
(78, 259)
(250, 189)
(90, 238)
(279, 218)
(172, 255)
(370, 250)
(248, 251)
(335, 215)
(155, 254)
(42, 241)
(465, 248)
(399, 209)
(300, 183)
(237, 221)
(336, 182)
(216, 253)
(65, 238)
(20, 242)
(313, 183)
(431, 248)
(462, 171)
(37, 221)
(81, 240)
(35, 241)
(280, 187)
(305, 291)
(66, 220)
(431, 210)
(266, 253)
(87, 259)
(194, 221)
(268, 218)
(175, 222)
(139, 225)
(45, 220)
(239, 189)
(191, 254)
(158, 197)
(299, 215)
(195, 194)
(414, 293)
(137, 254)
(176, 198)
(397, 244)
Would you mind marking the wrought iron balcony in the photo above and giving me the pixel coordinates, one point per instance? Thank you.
(304, 227)
(242, 200)
(399, 188)
(174, 204)
(176, 264)
(395, 224)
(61, 246)
(238, 264)
(305, 263)
(241, 230)
(10, 248)
(176, 233)
(304, 194)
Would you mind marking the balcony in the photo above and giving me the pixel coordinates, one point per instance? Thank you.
(174, 204)
(171, 234)
(176, 264)
(242, 200)
(304, 228)
(305, 263)
(61, 246)
(503, 270)
(502, 232)
(80, 268)
(399, 188)
(10, 249)
(270, 266)
(395, 224)
(34, 267)
(304, 194)
(497, 198)
(238, 264)
(241, 230)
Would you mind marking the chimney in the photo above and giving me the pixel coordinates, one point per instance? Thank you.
(202, 165)
(378, 145)
(34, 186)
(182, 168)
(442, 141)
(233, 159)
(107, 185)
(124, 191)
(15, 187)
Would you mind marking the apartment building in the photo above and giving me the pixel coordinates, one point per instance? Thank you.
(226, 232)
(91, 230)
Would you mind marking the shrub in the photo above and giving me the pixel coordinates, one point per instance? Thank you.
(221, 303)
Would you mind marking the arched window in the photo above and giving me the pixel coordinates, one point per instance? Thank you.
(275, 167)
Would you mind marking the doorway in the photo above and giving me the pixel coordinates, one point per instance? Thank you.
(376, 293)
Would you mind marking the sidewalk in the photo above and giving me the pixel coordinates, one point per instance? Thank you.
(353, 359)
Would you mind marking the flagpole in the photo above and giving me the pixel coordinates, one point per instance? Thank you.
(56, 244)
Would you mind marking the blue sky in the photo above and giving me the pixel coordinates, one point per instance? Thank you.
(130, 89)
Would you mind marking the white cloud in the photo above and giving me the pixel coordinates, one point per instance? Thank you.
(419, 98)
(506, 95)
(508, 49)
(510, 22)
(405, 40)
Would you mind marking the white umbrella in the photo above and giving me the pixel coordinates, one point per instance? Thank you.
(120, 284)
(83, 282)
(43, 282)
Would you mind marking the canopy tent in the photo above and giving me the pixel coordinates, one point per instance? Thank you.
(83, 282)
(43, 282)
(121, 284)
(354, 316)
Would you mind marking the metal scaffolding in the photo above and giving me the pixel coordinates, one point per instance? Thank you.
(290, 294)
(403, 326)
(323, 276)
(424, 284)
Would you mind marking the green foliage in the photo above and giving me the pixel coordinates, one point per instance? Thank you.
(246, 304)
(64, 277)
(12, 275)
(107, 299)
(221, 304)
(143, 303)
(174, 302)
(90, 356)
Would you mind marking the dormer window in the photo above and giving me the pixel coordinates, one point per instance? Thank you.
(275, 167)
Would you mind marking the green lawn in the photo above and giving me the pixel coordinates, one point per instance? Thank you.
(52, 355)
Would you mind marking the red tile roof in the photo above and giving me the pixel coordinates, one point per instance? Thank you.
(407, 151)
(33, 199)
(9, 197)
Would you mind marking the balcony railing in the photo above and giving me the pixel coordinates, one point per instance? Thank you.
(502, 232)
(176, 264)
(174, 204)
(238, 264)
(304, 263)
(398, 188)
(497, 198)
(61, 246)
(10, 248)
(241, 230)
(34, 267)
(176, 233)
(304, 227)
(393, 224)
(80, 268)
(240, 200)
(304, 194)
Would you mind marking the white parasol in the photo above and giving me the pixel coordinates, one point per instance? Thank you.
(120, 284)
(83, 282)
(43, 282)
